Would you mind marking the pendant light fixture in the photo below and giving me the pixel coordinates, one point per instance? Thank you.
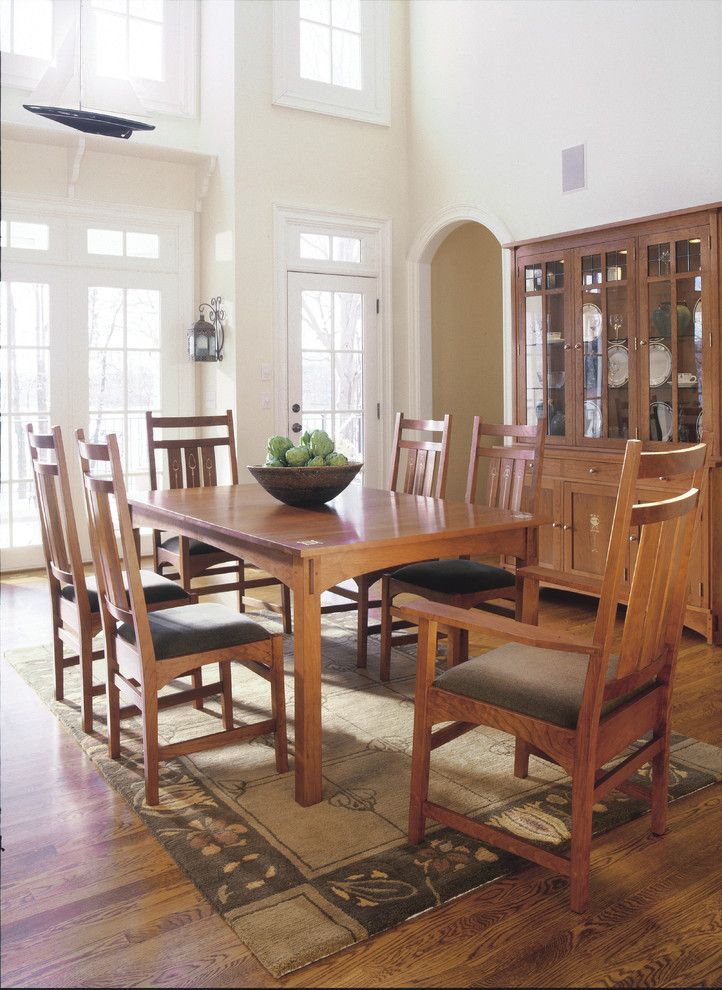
(55, 81)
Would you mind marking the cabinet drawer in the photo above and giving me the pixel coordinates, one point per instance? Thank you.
(585, 469)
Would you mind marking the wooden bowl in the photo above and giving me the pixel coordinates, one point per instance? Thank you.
(304, 486)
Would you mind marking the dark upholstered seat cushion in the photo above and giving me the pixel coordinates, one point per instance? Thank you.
(546, 684)
(455, 577)
(194, 546)
(195, 629)
(157, 589)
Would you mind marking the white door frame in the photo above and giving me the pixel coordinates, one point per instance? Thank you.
(418, 268)
(287, 223)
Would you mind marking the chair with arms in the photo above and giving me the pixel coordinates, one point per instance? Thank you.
(146, 651)
(568, 700)
(73, 596)
(423, 465)
(192, 464)
(513, 482)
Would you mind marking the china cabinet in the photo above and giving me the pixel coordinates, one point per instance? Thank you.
(616, 333)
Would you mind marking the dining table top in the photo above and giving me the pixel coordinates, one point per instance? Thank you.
(359, 515)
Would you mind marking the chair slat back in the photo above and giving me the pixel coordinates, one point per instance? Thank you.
(514, 472)
(426, 460)
(658, 592)
(116, 568)
(191, 459)
(58, 527)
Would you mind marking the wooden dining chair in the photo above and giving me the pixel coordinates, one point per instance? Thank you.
(146, 651)
(513, 481)
(419, 466)
(74, 601)
(574, 702)
(191, 463)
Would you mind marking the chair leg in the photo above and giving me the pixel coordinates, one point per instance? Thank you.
(184, 563)
(660, 788)
(362, 622)
(226, 694)
(241, 585)
(85, 656)
(521, 758)
(278, 705)
(150, 747)
(197, 678)
(386, 630)
(457, 649)
(112, 695)
(58, 665)
(287, 613)
(581, 845)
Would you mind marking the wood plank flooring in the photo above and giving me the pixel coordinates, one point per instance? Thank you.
(89, 898)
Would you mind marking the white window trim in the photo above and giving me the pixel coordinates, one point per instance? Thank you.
(182, 55)
(371, 104)
(288, 222)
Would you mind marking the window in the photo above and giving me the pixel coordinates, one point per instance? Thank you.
(151, 43)
(332, 56)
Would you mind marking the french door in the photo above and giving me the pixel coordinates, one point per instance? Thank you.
(333, 380)
(92, 349)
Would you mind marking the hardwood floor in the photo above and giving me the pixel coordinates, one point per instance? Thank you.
(90, 899)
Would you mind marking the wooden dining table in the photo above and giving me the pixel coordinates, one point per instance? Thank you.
(312, 549)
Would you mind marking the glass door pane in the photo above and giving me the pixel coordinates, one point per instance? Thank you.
(606, 357)
(332, 370)
(25, 398)
(546, 345)
(675, 338)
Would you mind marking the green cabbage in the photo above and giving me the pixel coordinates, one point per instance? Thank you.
(274, 462)
(316, 462)
(277, 447)
(297, 456)
(321, 443)
(336, 460)
(306, 439)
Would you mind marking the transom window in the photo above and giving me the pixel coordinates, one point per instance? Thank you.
(332, 56)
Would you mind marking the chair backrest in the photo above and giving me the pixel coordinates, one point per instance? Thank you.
(514, 474)
(658, 592)
(192, 458)
(426, 459)
(114, 570)
(58, 527)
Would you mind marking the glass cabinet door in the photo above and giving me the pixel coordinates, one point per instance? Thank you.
(605, 344)
(546, 345)
(674, 270)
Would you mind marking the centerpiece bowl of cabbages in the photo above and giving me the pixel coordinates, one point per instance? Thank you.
(309, 474)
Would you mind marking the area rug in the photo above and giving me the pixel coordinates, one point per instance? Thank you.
(297, 884)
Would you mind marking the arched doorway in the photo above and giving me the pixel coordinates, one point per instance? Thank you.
(460, 325)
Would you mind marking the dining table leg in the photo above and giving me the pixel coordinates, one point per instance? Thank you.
(307, 679)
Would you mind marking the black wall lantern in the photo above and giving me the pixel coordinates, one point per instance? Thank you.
(206, 339)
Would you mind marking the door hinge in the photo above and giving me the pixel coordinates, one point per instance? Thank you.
(378, 306)
(378, 410)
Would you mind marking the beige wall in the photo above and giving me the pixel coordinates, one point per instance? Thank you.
(466, 311)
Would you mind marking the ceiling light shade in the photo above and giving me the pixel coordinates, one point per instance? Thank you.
(90, 122)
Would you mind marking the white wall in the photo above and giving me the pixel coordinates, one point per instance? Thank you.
(498, 88)
(300, 159)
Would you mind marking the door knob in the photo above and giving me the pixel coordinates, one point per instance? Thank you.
(296, 427)
(295, 407)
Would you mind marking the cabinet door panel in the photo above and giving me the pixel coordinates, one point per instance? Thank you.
(588, 514)
(550, 535)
